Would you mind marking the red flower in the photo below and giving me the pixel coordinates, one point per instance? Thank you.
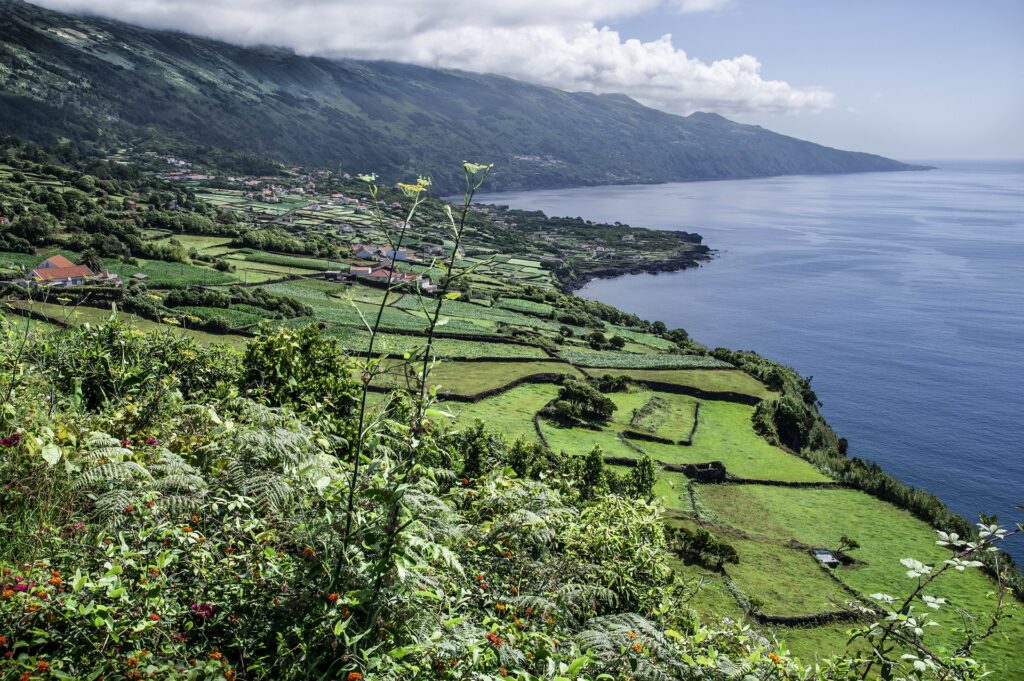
(152, 441)
(203, 610)
(333, 598)
(126, 443)
(354, 676)
(154, 617)
(493, 638)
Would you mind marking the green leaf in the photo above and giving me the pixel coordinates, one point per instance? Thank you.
(577, 665)
(51, 453)
(79, 581)
(454, 295)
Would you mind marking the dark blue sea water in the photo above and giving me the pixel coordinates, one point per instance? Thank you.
(902, 294)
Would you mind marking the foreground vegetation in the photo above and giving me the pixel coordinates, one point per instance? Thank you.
(532, 500)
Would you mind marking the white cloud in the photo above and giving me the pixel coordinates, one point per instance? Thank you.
(561, 43)
(701, 5)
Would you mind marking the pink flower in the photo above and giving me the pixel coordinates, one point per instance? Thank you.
(126, 443)
(152, 441)
(11, 440)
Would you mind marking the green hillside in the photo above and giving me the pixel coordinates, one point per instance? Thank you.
(107, 84)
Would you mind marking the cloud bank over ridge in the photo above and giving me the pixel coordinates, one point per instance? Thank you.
(564, 44)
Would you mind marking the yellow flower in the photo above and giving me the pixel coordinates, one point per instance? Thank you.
(638, 647)
(411, 190)
(474, 168)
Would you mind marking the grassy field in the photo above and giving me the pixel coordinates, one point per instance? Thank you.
(357, 340)
(818, 517)
(95, 315)
(510, 413)
(200, 242)
(666, 415)
(470, 378)
(724, 433)
(711, 380)
(785, 582)
(20, 324)
(171, 274)
(618, 360)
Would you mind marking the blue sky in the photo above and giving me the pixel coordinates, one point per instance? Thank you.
(906, 78)
(911, 79)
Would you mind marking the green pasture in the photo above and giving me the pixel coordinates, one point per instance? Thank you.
(618, 360)
(710, 380)
(510, 413)
(886, 534)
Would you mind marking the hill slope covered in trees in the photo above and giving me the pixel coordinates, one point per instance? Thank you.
(105, 83)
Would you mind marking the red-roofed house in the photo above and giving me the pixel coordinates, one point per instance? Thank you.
(59, 271)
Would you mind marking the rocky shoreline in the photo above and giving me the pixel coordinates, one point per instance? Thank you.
(694, 258)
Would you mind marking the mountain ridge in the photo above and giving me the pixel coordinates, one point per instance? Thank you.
(104, 84)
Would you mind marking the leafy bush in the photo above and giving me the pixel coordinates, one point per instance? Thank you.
(580, 403)
(299, 368)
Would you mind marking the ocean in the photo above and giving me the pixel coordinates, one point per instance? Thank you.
(902, 294)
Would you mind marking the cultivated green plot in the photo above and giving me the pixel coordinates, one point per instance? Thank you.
(243, 264)
(94, 315)
(314, 264)
(526, 306)
(577, 441)
(724, 433)
(21, 325)
(524, 263)
(886, 534)
(580, 440)
(470, 378)
(199, 242)
(786, 582)
(647, 339)
(171, 274)
(618, 360)
(666, 416)
(670, 490)
(357, 340)
(710, 380)
(510, 413)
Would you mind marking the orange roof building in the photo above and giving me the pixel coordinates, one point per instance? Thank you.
(59, 271)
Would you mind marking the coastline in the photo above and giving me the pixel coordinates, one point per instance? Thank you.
(685, 261)
(891, 480)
